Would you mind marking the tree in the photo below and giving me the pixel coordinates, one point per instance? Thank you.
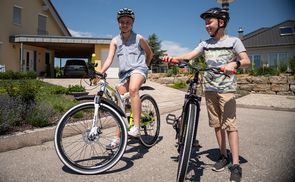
(155, 45)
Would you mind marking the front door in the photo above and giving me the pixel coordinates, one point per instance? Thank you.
(28, 64)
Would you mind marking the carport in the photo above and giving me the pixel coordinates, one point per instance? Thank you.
(63, 47)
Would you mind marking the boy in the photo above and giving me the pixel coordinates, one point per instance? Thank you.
(221, 50)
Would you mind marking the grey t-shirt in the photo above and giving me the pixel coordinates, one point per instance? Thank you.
(217, 54)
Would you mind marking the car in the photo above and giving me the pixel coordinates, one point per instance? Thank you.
(75, 68)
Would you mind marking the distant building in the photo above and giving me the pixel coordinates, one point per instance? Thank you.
(32, 35)
(270, 46)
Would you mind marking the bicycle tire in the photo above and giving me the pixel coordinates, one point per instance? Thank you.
(190, 117)
(150, 121)
(81, 153)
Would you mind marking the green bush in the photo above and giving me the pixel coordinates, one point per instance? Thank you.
(26, 90)
(267, 71)
(75, 88)
(11, 110)
(179, 85)
(292, 65)
(11, 75)
(40, 115)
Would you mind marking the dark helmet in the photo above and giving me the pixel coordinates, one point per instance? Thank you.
(125, 12)
(216, 13)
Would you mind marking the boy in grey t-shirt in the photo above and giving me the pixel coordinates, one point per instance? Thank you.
(228, 52)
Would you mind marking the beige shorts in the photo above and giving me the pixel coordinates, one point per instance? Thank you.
(221, 109)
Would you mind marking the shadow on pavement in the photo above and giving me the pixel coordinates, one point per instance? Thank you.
(196, 167)
(139, 151)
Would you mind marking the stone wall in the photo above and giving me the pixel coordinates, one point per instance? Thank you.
(280, 85)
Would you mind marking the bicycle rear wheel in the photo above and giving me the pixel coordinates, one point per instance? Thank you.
(149, 121)
(87, 154)
(186, 141)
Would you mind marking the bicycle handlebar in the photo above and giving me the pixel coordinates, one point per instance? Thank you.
(186, 63)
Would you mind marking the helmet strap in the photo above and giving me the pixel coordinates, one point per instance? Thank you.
(219, 27)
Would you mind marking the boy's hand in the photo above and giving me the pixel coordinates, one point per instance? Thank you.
(169, 59)
(230, 68)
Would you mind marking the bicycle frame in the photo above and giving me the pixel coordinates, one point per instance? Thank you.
(120, 101)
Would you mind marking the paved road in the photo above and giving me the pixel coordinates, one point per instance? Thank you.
(266, 144)
(267, 154)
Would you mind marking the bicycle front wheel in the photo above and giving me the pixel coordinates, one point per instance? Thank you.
(86, 153)
(149, 121)
(186, 141)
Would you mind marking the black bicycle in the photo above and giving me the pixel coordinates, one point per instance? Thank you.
(186, 124)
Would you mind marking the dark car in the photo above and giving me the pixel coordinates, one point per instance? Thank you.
(75, 68)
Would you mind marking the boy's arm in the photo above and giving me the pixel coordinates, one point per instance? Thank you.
(187, 56)
(234, 65)
(148, 51)
(110, 57)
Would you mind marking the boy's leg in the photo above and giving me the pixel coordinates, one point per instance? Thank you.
(233, 139)
(228, 109)
(214, 114)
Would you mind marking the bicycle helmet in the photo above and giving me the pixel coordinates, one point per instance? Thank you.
(125, 12)
(216, 13)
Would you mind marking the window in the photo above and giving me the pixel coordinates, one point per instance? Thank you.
(283, 58)
(42, 25)
(255, 61)
(287, 31)
(17, 15)
(277, 59)
(272, 61)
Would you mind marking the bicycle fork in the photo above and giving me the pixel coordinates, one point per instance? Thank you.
(95, 131)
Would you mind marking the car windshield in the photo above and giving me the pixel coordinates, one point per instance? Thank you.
(75, 62)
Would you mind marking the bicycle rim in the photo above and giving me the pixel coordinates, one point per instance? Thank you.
(150, 121)
(187, 141)
(87, 155)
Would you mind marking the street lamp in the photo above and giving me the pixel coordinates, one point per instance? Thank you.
(225, 3)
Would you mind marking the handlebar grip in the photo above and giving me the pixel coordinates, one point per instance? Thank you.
(233, 72)
(173, 61)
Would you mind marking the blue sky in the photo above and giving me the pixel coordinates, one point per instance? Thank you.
(176, 23)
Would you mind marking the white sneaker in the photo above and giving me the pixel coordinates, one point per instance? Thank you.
(134, 131)
(114, 143)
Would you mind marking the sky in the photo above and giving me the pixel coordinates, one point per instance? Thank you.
(176, 23)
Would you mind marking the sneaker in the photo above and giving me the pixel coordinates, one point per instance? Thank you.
(134, 131)
(220, 164)
(236, 173)
(114, 144)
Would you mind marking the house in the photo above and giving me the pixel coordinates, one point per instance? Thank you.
(33, 35)
(270, 46)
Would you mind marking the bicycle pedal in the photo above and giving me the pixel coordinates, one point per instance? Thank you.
(171, 119)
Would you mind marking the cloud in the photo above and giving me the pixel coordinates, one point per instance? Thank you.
(87, 34)
(80, 34)
(173, 48)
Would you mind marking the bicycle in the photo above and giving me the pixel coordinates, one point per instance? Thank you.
(186, 124)
(83, 132)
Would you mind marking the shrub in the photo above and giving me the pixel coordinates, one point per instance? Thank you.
(40, 115)
(75, 88)
(179, 85)
(268, 71)
(292, 65)
(11, 110)
(11, 75)
(26, 90)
